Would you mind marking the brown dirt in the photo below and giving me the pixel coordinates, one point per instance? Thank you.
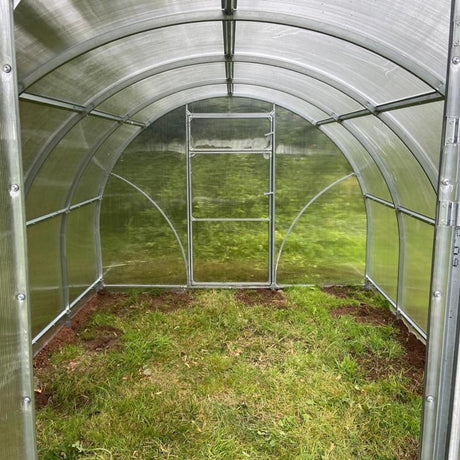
(169, 301)
(266, 297)
(411, 363)
(107, 337)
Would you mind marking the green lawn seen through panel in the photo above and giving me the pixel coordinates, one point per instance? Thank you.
(231, 374)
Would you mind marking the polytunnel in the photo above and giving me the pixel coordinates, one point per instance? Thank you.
(83, 82)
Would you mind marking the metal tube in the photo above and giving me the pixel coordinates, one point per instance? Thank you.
(189, 197)
(17, 423)
(440, 431)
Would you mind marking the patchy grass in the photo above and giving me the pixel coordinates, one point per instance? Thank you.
(223, 374)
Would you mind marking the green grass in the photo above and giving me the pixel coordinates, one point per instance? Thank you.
(220, 379)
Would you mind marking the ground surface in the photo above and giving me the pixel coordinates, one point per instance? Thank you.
(364, 360)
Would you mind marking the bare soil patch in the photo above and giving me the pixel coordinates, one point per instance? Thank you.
(411, 363)
(265, 297)
(107, 337)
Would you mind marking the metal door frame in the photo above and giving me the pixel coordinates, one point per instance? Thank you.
(190, 153)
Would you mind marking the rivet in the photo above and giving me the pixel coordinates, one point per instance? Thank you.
(456, 60)
(7, 68)
(445, 182)
(21, 297)
(437, 293)
(429, 399)
(27, 400)
(14, 188)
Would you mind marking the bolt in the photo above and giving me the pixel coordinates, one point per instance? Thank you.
(21, 297)
(7, 68)
(429, 399)
(27, 400)
(445, 182)
(456, 60)
(437, 293)
(14, 188)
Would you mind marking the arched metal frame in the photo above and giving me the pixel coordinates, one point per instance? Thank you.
(441, 433)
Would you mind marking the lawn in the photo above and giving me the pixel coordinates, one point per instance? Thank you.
(302, 373)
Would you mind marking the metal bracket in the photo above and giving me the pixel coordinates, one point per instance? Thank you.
(448, 214)
(452, 130)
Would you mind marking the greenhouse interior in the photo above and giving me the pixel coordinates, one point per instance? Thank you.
(229, 144)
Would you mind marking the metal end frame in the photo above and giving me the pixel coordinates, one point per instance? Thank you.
(440, 438)
(17, 424)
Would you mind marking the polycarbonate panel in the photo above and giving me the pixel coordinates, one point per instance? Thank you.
(424, 124)
(82, 266)
(371, 176)
(134, 97)
(316, 92)
(230, 134)
(48, 191)
(138, 245)
(230, 105)
(344, 63)
(125, 58)
(230, 252)
(383, 244)
(45, 31)
(237, 189)
(397, 24)
(328, 243)
(44, 272)
(417, 269)
(93, 177)
(39, 124)
(406, 175)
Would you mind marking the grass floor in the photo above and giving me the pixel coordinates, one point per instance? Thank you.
(225, 374)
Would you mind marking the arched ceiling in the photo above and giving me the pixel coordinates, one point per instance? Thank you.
(129, 62)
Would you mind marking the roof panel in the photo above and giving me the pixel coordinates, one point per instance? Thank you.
(121, 59)
(377, 79)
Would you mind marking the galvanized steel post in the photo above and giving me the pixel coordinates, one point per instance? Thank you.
(440, 426)
(17, 427)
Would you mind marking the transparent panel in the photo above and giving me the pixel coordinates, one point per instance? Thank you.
(38, 125)
(237, 188)
(230, 104)
(417, 269)
(407, 176)
(44, 272)
(316, 92)
(397, 24)
(81, 249)
(371, 176)
(330, 59)
(230, 134)
(136, 96)
(45, 31)
(93, 177)
(48, 191)
(383, 247)
(328, 243)
(138, 245)
(230, 252)
(424, 124)
(123, 59)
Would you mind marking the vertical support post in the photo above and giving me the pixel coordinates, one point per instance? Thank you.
(189, 199)
(17, 427)
(440, 426)
(272, 275)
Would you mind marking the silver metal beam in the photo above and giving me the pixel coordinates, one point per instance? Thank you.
(440, 437)
(17, 421)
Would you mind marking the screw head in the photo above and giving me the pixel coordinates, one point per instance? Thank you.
(456, 60)
(7, 68)
(21, 297)
(14, 188)
(437, 293)
(445, 182)
(27, 400)
(429, 399)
